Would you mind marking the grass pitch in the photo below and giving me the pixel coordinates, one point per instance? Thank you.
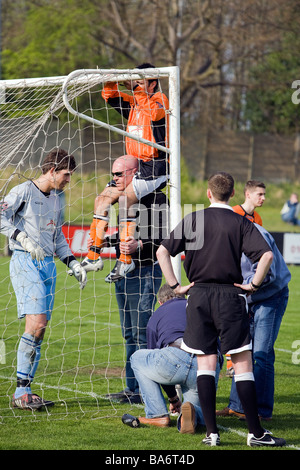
(83, 359)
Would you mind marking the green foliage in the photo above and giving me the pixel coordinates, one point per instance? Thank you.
(269, 107)
(57, 38)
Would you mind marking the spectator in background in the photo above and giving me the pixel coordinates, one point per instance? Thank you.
(290, 211)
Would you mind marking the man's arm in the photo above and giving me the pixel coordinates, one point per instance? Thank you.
(164, 260)
(262, 269)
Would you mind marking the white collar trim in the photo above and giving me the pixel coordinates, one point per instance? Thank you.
(221, 206)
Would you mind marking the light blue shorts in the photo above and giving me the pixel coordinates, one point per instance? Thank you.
(34, 284)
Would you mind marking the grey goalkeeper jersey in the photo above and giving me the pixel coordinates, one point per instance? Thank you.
(27, 209)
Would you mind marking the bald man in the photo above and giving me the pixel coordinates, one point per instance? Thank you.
(127, 188)
(135, 293)
(123, 171)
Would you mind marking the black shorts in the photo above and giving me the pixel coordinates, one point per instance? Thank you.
(216, 311)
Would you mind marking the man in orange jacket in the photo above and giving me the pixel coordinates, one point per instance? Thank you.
(146, 113)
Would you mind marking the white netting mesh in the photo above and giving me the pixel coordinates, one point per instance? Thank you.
(83, 355)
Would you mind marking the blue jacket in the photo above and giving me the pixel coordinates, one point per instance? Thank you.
(167, 323)
(277, 278)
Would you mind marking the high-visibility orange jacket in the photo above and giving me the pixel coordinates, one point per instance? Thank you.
(255, 217)
(147, 118)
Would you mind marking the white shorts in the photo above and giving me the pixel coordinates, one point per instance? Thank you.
(33, 283)
(143, 187)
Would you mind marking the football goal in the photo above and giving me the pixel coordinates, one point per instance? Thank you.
(83, 352)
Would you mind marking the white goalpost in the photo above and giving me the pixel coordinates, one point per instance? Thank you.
(83, 352)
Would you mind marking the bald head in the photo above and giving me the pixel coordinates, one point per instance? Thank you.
(123, 170)
(125, 162)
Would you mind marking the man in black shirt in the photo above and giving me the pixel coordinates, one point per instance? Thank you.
(213, 241)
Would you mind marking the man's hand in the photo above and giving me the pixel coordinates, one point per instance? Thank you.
(129, 246)
(176, 406)
(29, 245)
(183, 290)
(247, 288)
(129, 84)
(79, 272)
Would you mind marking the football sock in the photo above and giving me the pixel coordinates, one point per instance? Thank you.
(127, 229)
(228, 361)
(97, 233)
(245, 387)
(28, 357)
(207, 397)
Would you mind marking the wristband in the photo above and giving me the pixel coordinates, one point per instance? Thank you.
(254, 286)
(175, 285)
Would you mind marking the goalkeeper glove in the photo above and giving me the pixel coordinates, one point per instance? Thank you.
(90, 265)
(29, 245)
(79, 272)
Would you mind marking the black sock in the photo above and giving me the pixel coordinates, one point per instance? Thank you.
(247, 395)
(207, 397)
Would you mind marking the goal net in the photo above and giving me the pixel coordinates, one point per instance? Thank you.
(83, 355)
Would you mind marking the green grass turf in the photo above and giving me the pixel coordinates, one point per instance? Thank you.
(83, 359)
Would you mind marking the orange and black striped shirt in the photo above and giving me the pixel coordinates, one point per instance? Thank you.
(255, 217)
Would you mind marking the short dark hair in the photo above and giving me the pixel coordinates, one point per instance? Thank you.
(147, 65)
(58, 159)
(221, 185)
(252, 184)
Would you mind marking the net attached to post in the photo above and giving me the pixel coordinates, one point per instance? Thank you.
(83, 356)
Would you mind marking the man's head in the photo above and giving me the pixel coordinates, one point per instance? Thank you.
(60, 166)
(58, 159)
(165, 293)
(149, 85)
(255, 192)
(220, 187)
(123, 171)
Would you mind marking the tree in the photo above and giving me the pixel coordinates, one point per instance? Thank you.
(216, 44)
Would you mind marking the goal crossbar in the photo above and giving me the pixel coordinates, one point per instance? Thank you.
(113, 75)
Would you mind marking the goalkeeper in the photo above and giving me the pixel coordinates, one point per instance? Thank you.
(146, 112)
(31, 219)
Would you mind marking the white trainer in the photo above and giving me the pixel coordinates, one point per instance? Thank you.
(119, 271)
(212, 440)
